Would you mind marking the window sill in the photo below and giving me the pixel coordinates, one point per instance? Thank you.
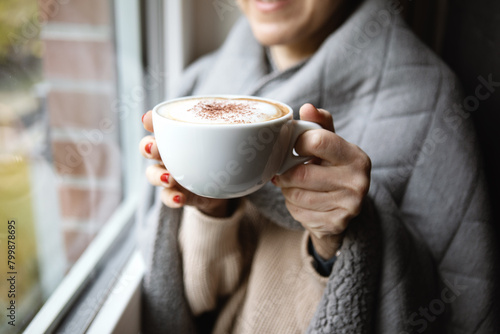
(60, 304)
(121, 311)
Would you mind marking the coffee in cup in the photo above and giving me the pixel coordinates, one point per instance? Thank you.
(220, 110)
(226, 146)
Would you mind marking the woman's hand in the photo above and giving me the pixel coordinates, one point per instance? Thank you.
(174, 195)
(325, 194)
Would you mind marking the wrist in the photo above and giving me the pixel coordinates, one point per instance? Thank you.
(327, 246)
(322, 266)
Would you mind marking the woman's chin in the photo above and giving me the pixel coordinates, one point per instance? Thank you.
(269, 35)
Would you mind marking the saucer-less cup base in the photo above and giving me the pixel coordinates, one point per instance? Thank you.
(227, 160)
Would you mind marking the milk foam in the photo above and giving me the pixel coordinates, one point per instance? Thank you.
(220, 111)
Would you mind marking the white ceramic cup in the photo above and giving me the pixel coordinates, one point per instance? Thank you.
(228, 160)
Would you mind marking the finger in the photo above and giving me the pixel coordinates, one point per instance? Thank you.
(309, 176)
(345, 199)
(310, 113)
(173, 197)
(147, 121)
(158, 175)
(328, 146)
(320, 223)
(178, 196)
(148, 148)
(307, 199)
(321, 178)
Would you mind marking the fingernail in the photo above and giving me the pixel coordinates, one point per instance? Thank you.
(142, 119)
(177, 199)
(164, 177)
(147, 148)
(273, 180)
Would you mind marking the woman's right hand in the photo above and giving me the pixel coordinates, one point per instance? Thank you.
(173, 194)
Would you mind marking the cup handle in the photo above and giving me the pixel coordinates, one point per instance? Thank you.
(291, 160)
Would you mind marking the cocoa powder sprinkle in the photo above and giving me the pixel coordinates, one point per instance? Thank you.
(225, 111)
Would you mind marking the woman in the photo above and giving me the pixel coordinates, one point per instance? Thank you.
(335, 245)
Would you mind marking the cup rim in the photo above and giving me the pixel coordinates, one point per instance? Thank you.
(228, 96)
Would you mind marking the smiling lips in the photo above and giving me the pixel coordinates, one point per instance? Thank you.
(270, 5)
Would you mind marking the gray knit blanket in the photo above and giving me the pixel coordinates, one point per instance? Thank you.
(420, 256)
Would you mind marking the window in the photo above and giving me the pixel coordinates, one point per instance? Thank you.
(75, 78)
(71, 97)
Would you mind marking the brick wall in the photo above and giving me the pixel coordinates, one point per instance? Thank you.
(79, 71)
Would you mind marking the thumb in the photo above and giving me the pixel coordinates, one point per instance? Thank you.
(310, 113)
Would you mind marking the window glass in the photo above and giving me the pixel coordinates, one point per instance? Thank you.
(60, 170)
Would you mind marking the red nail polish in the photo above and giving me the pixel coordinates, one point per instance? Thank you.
(147, 148)
(177, 199)
(164, 177)
(273, 180)
(142, 119)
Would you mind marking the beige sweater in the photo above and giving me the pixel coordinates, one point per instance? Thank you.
(262, 273)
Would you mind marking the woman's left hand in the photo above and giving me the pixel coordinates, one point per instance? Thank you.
(325, 194)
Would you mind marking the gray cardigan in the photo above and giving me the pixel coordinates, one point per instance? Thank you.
(420, 256)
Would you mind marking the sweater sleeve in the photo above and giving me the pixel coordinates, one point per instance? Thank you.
(212, 257)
